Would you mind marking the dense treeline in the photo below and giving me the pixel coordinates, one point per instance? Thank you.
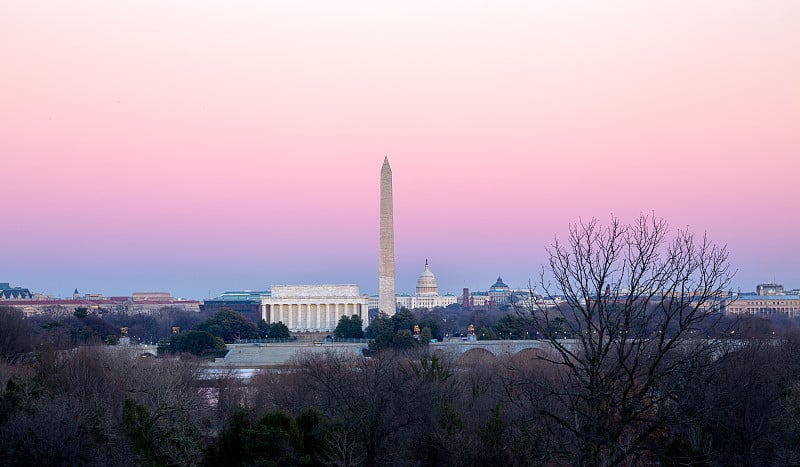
(175, 330)
(82, 327)
(94, 405)
(97, 406)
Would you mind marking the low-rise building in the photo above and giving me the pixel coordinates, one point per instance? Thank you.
(764, 304)
(97, 303)
(498, 294)
(14, 293)
(246, 302)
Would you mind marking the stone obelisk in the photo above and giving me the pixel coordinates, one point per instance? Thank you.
(386, 297)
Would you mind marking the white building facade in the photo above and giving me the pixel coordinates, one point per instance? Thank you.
(765, 305)
(313, 308)
(427, 295)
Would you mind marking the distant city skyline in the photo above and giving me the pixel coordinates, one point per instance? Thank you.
(200, 148)
(405, 291)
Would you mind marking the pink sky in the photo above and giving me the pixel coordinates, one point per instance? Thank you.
(203, 146)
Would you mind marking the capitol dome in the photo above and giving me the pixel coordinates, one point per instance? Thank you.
(426, 284)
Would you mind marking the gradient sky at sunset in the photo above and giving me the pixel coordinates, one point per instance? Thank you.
(203, 146)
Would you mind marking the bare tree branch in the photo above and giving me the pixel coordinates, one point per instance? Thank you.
(633, 298)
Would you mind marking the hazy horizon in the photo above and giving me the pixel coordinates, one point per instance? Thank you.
(199, 147)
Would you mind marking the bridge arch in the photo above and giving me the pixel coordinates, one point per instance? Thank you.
(146, 351)
(477, 355)
(529, 359)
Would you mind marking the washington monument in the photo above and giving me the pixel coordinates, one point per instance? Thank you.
(386, 297)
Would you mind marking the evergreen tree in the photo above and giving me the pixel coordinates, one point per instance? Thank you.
(229, 325)
(263, 329)
(278, 331)
(349, 328)
(486, 334)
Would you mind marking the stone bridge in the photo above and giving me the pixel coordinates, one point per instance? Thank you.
(497, 348)
(278, 354)
(138, 350)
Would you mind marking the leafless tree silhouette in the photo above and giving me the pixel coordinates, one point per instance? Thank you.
(635, 300)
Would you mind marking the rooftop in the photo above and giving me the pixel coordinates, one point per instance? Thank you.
(764, 298)
(499, 283)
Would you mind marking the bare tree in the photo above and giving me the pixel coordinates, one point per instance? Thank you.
(343, 451)
(69, 413)
(15, 335)
(753, 401)
(635, 297)
(166, 410)
(383, 406)
(368, 395)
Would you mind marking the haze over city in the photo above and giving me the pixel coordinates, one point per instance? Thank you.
(198, 147)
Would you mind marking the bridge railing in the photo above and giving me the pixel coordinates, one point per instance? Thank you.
(294, 340)
(265, 341)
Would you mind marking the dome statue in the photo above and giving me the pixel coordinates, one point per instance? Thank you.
(426, 284)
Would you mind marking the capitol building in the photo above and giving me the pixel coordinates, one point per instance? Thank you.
(427, 294)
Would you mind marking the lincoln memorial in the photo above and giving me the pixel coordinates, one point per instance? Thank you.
(313, 308)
